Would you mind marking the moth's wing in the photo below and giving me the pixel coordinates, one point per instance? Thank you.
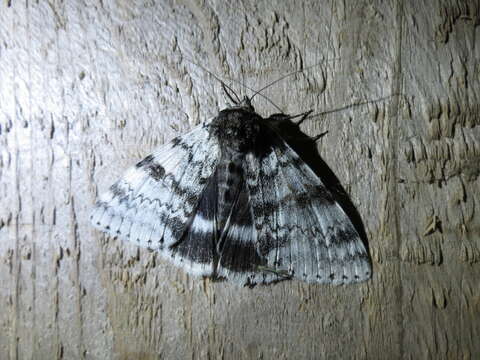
(195, 251)
(301, 229)
(155, 201)
(239, 258)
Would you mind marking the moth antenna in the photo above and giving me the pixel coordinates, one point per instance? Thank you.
(253, 90)
(235, 81)
(346, 107)
(227, 89)
(263, 96)
(302, 116)
(224, 86)
(319, 136)
(258, 92)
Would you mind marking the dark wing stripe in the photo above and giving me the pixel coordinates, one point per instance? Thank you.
(197, 242)
(238, 253)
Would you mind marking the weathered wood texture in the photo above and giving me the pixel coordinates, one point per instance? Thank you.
(88, 88)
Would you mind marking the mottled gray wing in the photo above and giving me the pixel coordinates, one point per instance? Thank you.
(155, 201)
(300, 229)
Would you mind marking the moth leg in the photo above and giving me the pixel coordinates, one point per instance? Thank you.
(306, 138)
(282, 274)
(319, 136)
(276, 119)
(302, 117)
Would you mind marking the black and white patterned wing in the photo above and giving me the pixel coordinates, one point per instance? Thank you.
(239, 258)
(155, 202)
(300, 229)
(195, 250)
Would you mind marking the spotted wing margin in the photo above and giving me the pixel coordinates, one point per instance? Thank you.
(154, 202)
(300, 229)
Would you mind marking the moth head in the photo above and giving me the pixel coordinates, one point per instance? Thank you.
(245, 105)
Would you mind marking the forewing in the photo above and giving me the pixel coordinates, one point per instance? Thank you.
(239, 259)
(195, 251)
(301, 229)
(155, 201)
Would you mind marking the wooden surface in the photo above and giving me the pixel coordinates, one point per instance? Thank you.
(88, 88)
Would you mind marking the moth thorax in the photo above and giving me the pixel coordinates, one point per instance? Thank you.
(237, 129)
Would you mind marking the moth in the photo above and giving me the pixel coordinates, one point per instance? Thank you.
(231, 200)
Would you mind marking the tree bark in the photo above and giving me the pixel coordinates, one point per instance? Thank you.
(88, 88)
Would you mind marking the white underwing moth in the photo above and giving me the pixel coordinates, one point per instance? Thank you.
(231, 200)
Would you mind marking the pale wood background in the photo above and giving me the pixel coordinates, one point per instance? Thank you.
(87, 88)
